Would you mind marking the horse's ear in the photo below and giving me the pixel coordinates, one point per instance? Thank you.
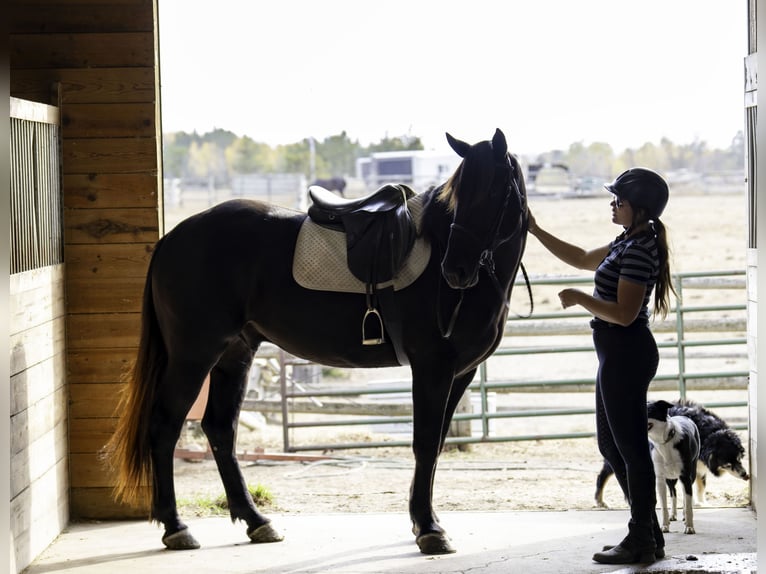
(499, 145)
(461, 148)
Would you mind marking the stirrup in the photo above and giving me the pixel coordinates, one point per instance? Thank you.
(372, 312)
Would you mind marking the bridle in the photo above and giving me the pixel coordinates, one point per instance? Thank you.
(486, 256)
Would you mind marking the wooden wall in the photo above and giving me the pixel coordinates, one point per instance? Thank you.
(39, 460)
(98, 62)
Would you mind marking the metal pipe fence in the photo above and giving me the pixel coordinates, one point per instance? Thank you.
(691, 335)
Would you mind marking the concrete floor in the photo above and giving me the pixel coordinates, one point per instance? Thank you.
(487, 542)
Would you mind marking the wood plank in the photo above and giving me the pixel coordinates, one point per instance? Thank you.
(104, 155)
(42, 3)
(38, 381)
(36, 345)
(103, 330)
(98, 504)
(139, 225)
(89, 470)
(110, 190)
(37, 459)
(75, 17)
(132, 49)
(89, 435)
(108, 260)
(39, 513)
(36, 297)
(105, 295)
(93, 85)
(108, 120)
(34, 423)
(93, 401)
(34, 111)
(110, 365)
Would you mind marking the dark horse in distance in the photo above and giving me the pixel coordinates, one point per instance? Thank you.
(333, 184)
(220, 284)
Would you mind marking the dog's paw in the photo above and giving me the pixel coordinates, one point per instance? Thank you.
(673, 518)
(689, 530)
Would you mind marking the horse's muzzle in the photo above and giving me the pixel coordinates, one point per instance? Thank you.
(459, 276)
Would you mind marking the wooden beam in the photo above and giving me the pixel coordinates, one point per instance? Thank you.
(131, 50)
(111, 260)
(93, 401)
(109, 365)
(76, 17)
(110, 155)
(105, 294)
(110, 190)
(108, 120)
(87, 85)
(111, 226)
(103, 331)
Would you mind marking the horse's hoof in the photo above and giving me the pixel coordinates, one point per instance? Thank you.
(434, 543)
(181, 540)
(264, 533)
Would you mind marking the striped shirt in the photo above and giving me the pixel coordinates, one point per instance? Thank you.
(635, 259)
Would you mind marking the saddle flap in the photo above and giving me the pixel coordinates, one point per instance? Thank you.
(378, 243)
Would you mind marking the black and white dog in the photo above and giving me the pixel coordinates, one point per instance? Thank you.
(721, 449)
(675, 447)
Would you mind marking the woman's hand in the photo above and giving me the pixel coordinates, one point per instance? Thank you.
(569, 297)
(531, 223)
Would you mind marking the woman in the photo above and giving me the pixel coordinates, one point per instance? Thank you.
(627, 270)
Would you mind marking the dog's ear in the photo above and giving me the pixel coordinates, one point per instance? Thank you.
(658, 410)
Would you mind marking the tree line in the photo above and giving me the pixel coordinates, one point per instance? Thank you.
(216, 156)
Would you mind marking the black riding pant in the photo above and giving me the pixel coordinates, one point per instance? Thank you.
(628, 360)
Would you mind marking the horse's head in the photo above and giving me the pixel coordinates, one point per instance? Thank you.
(486, 197)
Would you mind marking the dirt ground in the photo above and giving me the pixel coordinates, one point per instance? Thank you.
(708, 232)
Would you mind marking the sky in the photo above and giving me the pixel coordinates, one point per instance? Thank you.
(547, 73)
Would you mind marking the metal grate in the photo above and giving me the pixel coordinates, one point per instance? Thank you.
(36, 210)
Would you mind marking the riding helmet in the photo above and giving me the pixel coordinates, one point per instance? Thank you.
(641, 187)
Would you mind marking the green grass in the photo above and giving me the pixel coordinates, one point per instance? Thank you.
(219, 506)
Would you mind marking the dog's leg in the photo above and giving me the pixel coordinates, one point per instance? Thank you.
(688, 512)
(671, 482)
(663, 496)
(603, 476)
(701, 483)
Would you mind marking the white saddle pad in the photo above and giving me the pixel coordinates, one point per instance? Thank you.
(320, 261)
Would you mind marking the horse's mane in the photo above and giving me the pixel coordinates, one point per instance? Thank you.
(447, 192)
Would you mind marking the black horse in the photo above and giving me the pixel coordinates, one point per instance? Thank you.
(220, 284)
(333, 184)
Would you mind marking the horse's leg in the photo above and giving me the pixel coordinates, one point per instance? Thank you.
(459, 385)
(430, 398)
(179, 388)
(228, 384)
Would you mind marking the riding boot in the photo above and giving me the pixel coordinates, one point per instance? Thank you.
(659, 537)
(638, 547)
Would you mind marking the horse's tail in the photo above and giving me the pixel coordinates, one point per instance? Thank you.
(128, 452)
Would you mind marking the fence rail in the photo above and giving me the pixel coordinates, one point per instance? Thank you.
(692, 333)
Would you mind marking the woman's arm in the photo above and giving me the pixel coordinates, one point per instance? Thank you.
(630, 298)
(567, 252)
